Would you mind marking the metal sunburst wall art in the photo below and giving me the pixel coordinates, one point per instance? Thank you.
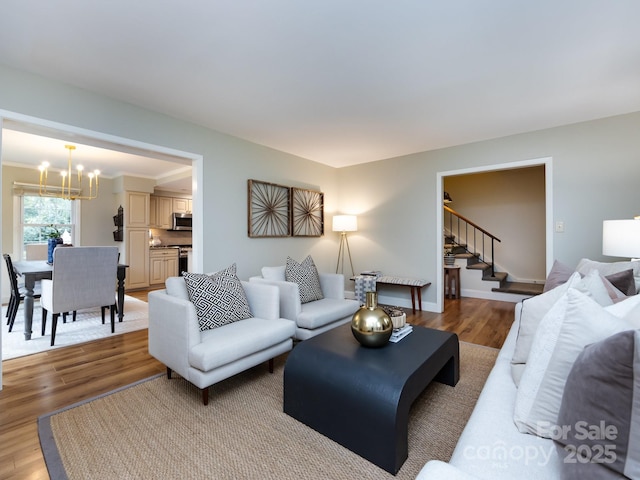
(307, 213)
(269, 210)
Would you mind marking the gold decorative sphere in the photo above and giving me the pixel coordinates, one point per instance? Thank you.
(371, 326)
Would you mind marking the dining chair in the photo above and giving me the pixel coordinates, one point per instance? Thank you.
(17, 292)
(83, 277)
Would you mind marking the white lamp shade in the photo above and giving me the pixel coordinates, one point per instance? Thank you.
(345, 223)
(621, 238)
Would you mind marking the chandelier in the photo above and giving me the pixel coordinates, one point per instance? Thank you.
(66, 190)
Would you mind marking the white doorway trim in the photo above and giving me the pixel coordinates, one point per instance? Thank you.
(547, 162)
(151, 150)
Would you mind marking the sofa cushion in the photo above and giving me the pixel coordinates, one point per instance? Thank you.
(325, 311)
(535, 308)
(219, 299)
(585, 266)
(237, 340)
(601, 396)
(306, 276)
(574, 322)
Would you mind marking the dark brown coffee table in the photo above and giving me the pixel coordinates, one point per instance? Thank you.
(360, 397)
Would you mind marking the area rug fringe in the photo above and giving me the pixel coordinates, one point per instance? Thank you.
(159, 428)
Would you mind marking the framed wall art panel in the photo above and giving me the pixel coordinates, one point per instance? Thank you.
(269, 210)
(307, 213)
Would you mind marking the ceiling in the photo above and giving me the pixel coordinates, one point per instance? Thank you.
(342, 82)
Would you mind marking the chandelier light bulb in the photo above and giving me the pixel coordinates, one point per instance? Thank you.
(69, 192)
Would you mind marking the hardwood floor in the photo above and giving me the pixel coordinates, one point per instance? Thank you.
(38, 384)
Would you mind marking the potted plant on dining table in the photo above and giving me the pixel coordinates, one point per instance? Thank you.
(54, 238)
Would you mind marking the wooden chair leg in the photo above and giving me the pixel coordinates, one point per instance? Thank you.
(205, 395)
(168, 373)
(54, 325)
(73, 315)
(12, 300)
(271, 365)
(44, 321)
(113, 319)
(12, 311)
(102, 309)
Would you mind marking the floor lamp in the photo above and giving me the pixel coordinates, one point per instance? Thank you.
(344, 224)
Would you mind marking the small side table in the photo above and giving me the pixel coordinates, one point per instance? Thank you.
(452, 281)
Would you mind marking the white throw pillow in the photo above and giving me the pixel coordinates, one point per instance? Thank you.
(535, 308)
(585, 266)
(570, 325)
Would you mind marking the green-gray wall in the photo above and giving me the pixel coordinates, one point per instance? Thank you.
(595, 171)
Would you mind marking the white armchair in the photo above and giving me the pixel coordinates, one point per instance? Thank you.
(207, 357)
(83, 277)
(314, 317)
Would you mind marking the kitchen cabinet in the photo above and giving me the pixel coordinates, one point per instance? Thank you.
(160, 209)
(163, 263)
(137, 257)
(137, 209)
(182, 205)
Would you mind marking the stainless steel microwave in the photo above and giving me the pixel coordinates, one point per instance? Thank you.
(181, 221)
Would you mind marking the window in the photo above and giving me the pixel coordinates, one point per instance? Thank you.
(38, 214)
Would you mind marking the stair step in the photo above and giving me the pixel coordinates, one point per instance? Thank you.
(496, 277)
(521, 288)
(478, 266)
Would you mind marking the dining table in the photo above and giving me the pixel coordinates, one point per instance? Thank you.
(34, 270)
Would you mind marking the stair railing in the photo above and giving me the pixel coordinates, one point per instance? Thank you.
(458, 225)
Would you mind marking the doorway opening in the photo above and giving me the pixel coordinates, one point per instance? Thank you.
(546, 163)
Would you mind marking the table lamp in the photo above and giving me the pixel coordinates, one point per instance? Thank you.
(344, 224)
(621, 238)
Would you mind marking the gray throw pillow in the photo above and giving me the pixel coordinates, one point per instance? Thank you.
(623, 281)
(558, 275)
(306, 276)
(598, 431)
(219, 299)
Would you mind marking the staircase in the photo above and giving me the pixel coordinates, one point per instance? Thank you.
(470, 242)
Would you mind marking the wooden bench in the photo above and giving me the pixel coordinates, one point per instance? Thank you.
(369, 283)
(415, 285)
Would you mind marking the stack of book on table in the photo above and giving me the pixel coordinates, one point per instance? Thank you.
(399, 333)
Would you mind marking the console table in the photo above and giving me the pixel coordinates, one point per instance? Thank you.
(360, 397)
(368, 283)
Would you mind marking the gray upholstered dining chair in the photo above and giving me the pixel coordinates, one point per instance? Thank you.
(83, 277)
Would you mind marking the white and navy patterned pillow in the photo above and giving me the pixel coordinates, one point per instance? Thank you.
(219, 298)
(306, 276)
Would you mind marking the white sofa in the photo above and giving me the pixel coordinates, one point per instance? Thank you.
(314, 317)
(491, 447)
(534, 389)
(207, 357)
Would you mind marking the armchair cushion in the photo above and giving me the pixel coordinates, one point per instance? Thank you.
(238, 340)
(305, 274)
(219, 299)
(325, 311)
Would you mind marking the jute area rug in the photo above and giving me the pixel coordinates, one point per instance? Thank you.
(87, 327)
(159, 429)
